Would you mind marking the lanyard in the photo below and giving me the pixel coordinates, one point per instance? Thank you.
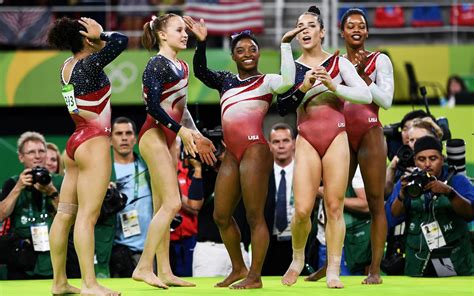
(43, 214)
(137, 181)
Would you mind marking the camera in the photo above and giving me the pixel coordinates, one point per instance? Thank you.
(40, 175)
(114, 202)
(417, 181)
(405, 158)
(176, 222)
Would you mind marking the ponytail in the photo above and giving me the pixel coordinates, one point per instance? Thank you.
(148, 38)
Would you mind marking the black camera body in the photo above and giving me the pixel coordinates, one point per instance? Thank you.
(40, 175)
(114, 202)
(417, 181)
(405, 158)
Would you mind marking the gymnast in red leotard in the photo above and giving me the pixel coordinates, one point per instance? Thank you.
(323, 83)
(86, 91)
(245, 99)
(364, 130)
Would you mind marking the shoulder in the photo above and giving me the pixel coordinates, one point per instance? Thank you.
(383, 60)
(344, 63)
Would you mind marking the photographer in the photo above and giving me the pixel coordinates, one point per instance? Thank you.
(436, 205)
(30, 200)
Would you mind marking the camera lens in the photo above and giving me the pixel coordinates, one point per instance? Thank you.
(414, 190)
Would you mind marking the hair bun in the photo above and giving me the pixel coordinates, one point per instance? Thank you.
(314, 9)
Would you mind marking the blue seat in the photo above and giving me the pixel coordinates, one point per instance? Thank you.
(427, 16)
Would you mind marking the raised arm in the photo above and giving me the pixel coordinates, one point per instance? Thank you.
(115, 44)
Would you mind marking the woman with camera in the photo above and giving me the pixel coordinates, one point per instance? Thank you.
(245, 170)
(323, 83)
(364, 129)
(86, 90)
(435, 203)
(165, 86)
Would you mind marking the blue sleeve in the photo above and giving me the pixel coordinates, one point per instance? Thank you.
(154, 89)
(391, 220)
(212, 79)
(464, 187)
(115, 44)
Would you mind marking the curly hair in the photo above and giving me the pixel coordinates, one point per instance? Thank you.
(64, 35)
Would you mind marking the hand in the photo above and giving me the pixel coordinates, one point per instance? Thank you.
(25, 179)
(205, 149)
(309, 80)
(361, 62)
(291, 34)
(45, 189)
(94, 29)
(438, 187)
(199, 29)
(323, 76)
(187, 138)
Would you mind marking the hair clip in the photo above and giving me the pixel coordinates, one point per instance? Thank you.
(243, 33)
(153, 18)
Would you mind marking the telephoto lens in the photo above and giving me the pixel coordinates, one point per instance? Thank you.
(456, 150)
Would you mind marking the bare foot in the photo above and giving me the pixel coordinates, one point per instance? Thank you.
(372, 279)
(249, 283)
(98, 290)
(335, 284)
(290, 277)
(234, 276)
(64, 289)
(174, 281)
(317, 275)
(148, 277)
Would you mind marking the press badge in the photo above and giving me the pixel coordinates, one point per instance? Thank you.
(433, 235)
(69, 98)
(39, 234)
(130, 223)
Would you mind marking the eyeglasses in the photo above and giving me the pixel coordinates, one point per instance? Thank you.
(33, 153)
(243, 33)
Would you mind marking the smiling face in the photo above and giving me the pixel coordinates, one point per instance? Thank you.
(355, 30)
(174, 33)
(313, 35)
(246, 55)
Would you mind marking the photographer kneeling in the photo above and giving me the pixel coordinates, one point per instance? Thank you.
(436, 205)
(30, 200)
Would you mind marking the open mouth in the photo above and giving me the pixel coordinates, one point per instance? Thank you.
(356, 37)
(306, 38)
(247, 61)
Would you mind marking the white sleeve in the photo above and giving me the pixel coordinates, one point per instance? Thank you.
(355, 90)
(357, 181)
(187, 120)
(382, 90)
(281, 83)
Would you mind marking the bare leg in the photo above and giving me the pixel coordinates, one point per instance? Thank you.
(58, 235)
(335, 176)
(255, 169)
(166, 194)
(307, 172)
(94, 163)
(227, 196)
(372, 164)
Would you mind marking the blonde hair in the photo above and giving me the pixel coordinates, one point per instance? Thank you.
(29, 136)
(428, 124)
(54, 147)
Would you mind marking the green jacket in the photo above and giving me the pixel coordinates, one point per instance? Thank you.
(453, 228)
(28, 210)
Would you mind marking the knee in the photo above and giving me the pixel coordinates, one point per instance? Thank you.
(172, 206)
(334, 210)
(255, 219)
(221, 220)
(302, 215)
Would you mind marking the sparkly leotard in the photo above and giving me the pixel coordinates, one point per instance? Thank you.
(92, 92)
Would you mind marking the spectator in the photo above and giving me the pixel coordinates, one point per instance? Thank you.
(423, 127)
(454, 86)
(279, 207)
(54, 162)
(131, 177)
(133, 20)
(30, 200)
(183, 237)
(443, 203)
